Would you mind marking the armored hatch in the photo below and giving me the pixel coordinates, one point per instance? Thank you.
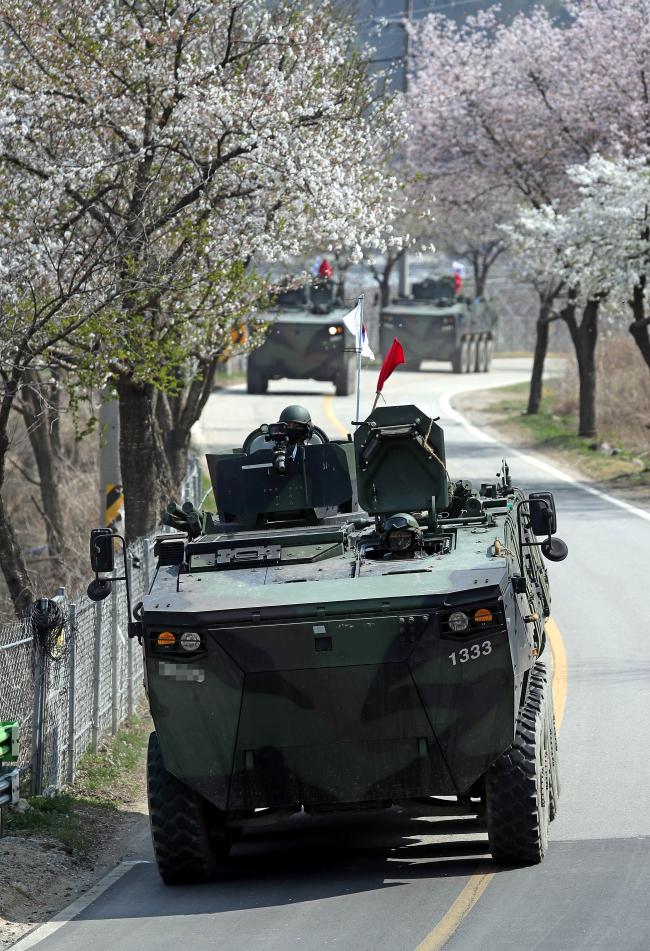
(400, 459)
(249, 489)
(442, 290)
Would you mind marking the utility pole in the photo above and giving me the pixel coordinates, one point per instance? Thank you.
(111, 494)
(408, 17)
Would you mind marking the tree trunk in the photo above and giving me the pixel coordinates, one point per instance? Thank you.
(145, 470)
(585, 338)
(14, 568)
(537, 375)
(640, 326)
(41, 420)
(545, 317)
(177, 415)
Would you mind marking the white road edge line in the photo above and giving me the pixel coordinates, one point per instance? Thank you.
(76, 907)
(450, 412)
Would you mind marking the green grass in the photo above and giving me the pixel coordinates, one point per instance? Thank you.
(223, 379)
(79, 814)
(118, 765)
(65, 817)
(548, 430)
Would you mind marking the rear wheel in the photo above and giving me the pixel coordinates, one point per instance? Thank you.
(256, 383)
(344, 379)
(518, 787)
(488, 355)
(481, 355)
(472, 355)
(188, 841)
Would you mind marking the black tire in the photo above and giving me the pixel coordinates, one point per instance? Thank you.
(187, 845)
(518, 784)
(344, 379)
(460, 359)
(256, 384)
(488, 355)
(472, 358)
(481, 355)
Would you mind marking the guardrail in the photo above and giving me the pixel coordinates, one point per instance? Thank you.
(9, 775)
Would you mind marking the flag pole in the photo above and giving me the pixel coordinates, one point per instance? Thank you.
(359, 345)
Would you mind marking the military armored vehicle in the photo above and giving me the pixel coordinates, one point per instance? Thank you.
(305, 339)
(356, 629)
(437, 323)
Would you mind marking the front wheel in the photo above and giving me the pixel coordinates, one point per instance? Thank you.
(518, 784)
(256, 383)
(188, 843)
(344, 379)
(460, 359)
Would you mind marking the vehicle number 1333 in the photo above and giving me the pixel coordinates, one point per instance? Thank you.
(470, 653)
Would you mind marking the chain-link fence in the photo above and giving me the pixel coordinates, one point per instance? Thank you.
(68, 690)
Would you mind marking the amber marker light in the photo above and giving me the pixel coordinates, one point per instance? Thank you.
(483, 616)
(166, 639)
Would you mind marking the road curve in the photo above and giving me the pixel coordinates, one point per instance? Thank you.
(366, 883)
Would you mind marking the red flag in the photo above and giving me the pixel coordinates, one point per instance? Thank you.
(393, 358)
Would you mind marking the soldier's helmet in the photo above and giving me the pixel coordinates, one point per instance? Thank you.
(295, 414)
(401, 532)
(298, 422)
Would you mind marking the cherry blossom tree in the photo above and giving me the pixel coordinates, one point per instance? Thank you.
(51, 286)
(598, 249)
(198, 138)
(495, 119)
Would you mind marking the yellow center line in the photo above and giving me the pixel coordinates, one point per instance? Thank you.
(477, 884)
(460, 909)
(331, 415)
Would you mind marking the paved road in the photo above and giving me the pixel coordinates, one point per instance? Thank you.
(403, 884)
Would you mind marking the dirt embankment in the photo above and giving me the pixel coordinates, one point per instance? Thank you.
(62, 844)
(608, 462)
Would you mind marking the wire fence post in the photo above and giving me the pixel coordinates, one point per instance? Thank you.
(130, 704)
(38, 718)
(97, 662)
(72, 690)
(115, 647)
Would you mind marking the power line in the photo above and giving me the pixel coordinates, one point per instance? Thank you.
(399, 18)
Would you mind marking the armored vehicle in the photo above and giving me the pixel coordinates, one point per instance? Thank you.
(354, 630)
(437, 323)
(305, 339)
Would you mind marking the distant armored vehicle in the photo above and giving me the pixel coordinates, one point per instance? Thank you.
(355, 630)
(436, 323)
(306, 339)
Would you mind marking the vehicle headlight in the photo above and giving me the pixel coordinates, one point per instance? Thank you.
(190, 641)
(458, 621)
(334, 331)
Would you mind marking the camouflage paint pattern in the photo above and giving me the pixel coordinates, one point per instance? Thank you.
(327, 671)
(435, 329)
(300, 346)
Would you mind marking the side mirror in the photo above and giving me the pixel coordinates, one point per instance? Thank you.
(99, 588)
(102, 550)
(543, 519)
(554, 549)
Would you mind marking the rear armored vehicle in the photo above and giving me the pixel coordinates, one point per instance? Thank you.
(438, 323)
(305, 339)
(356, 629)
